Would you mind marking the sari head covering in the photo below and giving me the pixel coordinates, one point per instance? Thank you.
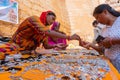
(55, 24)
(43, 17)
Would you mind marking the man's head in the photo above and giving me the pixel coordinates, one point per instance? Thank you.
(95, 23)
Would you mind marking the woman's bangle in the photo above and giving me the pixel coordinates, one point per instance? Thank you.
(111, 42)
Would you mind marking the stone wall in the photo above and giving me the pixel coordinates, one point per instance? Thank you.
(80, 14)
(35, 7)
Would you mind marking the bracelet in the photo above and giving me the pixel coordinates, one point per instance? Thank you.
(111, 42)
(68, 37)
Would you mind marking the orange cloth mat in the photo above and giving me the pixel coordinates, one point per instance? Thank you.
(113, 74)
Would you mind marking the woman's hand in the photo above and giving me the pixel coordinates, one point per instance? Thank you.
(87, 45)
(60, 46)
(74, 37)
(106, 43)
(84, 44)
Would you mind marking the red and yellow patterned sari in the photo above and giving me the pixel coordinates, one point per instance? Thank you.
(30, 33)
(28, 36)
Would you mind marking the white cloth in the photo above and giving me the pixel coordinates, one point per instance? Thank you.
(113, 32)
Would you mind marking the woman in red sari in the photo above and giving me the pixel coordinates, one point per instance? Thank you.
(32, 32)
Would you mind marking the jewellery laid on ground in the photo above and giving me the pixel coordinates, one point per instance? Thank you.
(68, 66)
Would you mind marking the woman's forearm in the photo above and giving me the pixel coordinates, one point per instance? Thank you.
(49, 46)
(97, 48)
(56, 34)
(115, 41)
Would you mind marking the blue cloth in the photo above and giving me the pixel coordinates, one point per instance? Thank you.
(116, 63)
